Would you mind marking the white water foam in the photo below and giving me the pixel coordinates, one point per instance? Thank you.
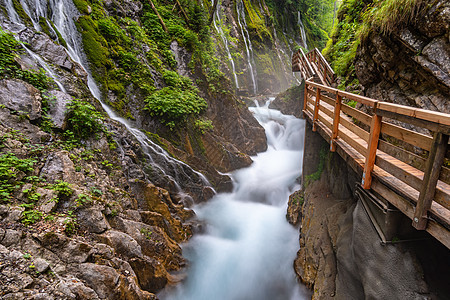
(248, 249)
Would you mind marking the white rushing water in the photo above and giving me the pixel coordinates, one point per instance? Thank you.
(248, 249)
(217, 17)
(167, 171)
(302, 30)
(248, 43)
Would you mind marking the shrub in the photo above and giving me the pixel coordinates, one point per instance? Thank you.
(83, 119)
(172, 105)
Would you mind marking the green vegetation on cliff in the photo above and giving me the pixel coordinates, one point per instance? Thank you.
(356, 20)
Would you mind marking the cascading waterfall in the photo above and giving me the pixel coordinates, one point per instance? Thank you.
(224, 40)
(171, 171)
(248, 247)
(248, 43)
(302, 30)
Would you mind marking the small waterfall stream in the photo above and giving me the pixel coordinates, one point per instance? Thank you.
(248, 44)
(248, 248)
(302, 30)
(217, 17)
(171, 171)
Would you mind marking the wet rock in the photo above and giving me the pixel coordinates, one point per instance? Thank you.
(101, 279)
(21, 97)
(151, 274)
(59, 167)
(41, 265)
(92, 220)
(11, 237)
(44, 46)
(123, 243)
(58, 107)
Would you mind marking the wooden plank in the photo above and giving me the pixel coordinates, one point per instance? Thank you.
(354, 128)
(327, 121)
(411, 137)
(411, 176)
(435, 229)
(433, 167)
(360, 99)
(336, 119)
(433, 126)
(411, 159)
(305, 96)
(375, 129)
(357, 114)
(427, 115)
(328, 100)
(353, 140)
(322, 87)
(316, 109)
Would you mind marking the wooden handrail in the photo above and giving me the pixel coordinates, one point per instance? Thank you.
(329, 114)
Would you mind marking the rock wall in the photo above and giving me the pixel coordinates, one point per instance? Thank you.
(341, 255)
(410, 66)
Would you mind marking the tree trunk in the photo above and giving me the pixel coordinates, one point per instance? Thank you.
(159, 16)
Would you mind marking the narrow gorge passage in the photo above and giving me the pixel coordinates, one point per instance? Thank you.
(248, 247)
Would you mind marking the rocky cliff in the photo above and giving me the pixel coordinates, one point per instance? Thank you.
(395, 51)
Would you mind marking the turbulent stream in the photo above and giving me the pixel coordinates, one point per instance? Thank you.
(248, 247)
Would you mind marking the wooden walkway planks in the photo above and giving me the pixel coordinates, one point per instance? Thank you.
(399, 175)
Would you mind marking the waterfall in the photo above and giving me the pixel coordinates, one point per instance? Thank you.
(170, 170)
(248, 43)
(248, 248)
(45, 66)
(302, 30)
(224, 40)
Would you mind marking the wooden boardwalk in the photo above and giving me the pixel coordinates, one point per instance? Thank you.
(402, 166)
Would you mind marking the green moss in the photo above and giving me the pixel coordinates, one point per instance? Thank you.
(82, 6)
(44, 26)
(61, 40)
(21, 12)
(323, 155)
(95, 46)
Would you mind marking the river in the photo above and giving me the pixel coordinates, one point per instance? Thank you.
(248, 248)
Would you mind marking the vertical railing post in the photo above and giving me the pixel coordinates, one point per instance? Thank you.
(325, 74)
(316, 109)
(371, 154)
(432, 170)
(336, 120)
(305, 96)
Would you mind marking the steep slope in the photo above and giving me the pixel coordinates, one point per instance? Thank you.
(398, 51)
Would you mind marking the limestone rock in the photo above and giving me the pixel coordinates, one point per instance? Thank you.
(122, 243)
(92, 220)
(20, 96)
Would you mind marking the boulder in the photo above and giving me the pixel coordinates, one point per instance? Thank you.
(20, 96)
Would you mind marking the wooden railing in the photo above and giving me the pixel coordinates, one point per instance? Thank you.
(313, 64)
(411, 177)
(300, 63)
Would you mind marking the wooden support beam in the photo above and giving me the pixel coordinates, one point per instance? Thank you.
(433, 168)
(375, 129)
(316, 109)
(337, 116)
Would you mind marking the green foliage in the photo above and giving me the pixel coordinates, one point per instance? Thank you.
(71, 223)
(10, 169)
(203, 125)
(83, 119)
(172, 105)
(9, 68)
(64, 189)
(316, 175)
(82, 199)
(31, 216)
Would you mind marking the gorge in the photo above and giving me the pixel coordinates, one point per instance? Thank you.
(143, 156)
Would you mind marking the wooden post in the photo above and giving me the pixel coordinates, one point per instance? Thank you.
(432, 170)
(316, 110)
(371, 155)
(305, 96)
(337, 117)
(325, 74)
